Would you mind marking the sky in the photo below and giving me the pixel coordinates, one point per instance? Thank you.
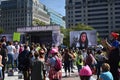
(57, 5)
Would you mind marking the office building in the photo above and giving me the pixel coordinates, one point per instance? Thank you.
(21, 13)
(102, 15)
(40, 13)
(55, 17)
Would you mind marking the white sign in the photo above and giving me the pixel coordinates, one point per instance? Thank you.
(39, 28)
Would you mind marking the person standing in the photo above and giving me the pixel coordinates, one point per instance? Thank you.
(42, 59)
(3, 53)
(67, 57)
(16, 55)
(4, 40)
(113, 56)
(24, 63)
(37, 68)
(79, 61)
(53, 73)
(10, 53)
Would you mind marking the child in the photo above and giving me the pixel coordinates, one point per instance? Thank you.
(106, 74)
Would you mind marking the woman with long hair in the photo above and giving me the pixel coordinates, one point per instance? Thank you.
(83, 40)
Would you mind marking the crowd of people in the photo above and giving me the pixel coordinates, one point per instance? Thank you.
(37, 61)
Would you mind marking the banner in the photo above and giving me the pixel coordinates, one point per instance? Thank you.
(83, 39)
(16, 36)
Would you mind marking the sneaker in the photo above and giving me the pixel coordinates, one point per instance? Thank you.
(65, 75)
(69, 74)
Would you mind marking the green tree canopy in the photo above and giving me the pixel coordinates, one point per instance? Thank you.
(37, 22)
(1, 30)
(81, 27)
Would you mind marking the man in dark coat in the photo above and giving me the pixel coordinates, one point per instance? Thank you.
(24, 63)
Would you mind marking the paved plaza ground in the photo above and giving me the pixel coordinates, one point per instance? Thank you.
(74, 76)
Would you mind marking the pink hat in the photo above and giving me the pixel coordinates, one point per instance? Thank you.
(53, 51)
(85, 71)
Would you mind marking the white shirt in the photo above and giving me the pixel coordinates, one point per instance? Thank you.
(10, 49)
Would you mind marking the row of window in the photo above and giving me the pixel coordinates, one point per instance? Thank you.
(100, 18)
(92, 10)
(101, 1)
(97, 5)
(117, 26)
(117, 17)
(96, 1)
(97, 23)
(98, 14)
(96, 10)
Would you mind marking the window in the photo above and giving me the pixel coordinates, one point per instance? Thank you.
(77, 15)
(77, 19)
(117, 12)
(77, 7)
(117, 8)
(70, 1)
(101, 18)
(98, 14)
(96, 10)
(98, 5)
(97, 23)
(77, 11)
(77, 3)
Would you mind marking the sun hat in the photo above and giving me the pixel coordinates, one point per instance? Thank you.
(53, 51)
(85, 71)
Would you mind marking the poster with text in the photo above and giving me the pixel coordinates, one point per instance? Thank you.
(16, 36)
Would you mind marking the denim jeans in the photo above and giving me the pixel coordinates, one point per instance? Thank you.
(16, 63)
(10, 60)
(1, 75)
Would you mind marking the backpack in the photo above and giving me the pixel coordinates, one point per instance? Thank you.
(58, 64)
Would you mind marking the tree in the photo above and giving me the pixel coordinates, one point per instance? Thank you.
(1, 30)
(37, 22)
(78, 27)
(81, 27)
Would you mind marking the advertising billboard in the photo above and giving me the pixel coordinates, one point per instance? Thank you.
(83, 39)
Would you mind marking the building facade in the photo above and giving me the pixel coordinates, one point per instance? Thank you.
(55, 17)
(102, 15)
(40, 13)
(20, 13)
